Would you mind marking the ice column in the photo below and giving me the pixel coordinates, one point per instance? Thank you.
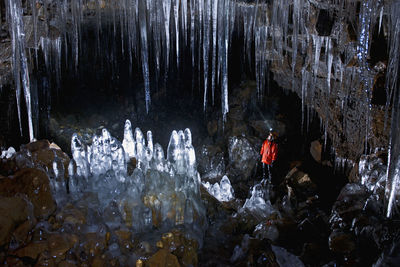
(19, 61)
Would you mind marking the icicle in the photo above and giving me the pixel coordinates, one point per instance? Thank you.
(380, 19)
(224, 35)
(393, 169)
(206, 44)
(317, 44)
(192, 31)
(184, 11)
(176, 17)
(214, 45)
(20, 64)
(328, 51)
(167, 12)
(145, 54)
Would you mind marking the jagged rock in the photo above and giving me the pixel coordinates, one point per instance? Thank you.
(301, 183)
(32, 250)
(34, 184)
(44, 154)
(341, 242)
(316, 150)
(242, 157)
(211, 162)
(348, 205)
(71, 215)
(14, 211)
(59, 244)
(163, 258)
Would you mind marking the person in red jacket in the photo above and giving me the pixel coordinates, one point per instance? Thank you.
(269, 151)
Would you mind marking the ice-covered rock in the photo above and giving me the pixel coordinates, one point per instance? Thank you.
(258, 204)
(242, 156)
(6, 154)
(211, 162)
(285, 258)
(371, 170)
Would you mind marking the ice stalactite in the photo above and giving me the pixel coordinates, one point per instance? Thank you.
(20, 62)
(214, 45)
(206, 46)
(392, 83)
(144, 52)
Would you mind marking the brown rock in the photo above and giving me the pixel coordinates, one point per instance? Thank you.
(46, 157)
(37, 145)
(341, 242)
(14, 211)
(34, 184)
(71, 215)
(66, 264)
(163, 258)
(32, 250)
(94, 244)
(15, 262)
(60, 244)
(45, 259)
(316, 150)
(21, 235)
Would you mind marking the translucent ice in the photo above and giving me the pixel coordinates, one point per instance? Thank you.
(222, 191)
(6, 154)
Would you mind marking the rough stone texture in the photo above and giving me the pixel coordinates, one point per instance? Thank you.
(44, 154)
(14, 211)
(242, 157)
(34, 184)
(163, 258)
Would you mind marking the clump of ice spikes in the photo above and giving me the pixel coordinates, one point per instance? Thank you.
(159, 192)
(222, 191)
(259, 204)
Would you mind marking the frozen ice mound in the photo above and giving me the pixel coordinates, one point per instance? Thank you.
(160, 192)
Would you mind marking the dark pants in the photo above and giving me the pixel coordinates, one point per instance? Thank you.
(267, 170)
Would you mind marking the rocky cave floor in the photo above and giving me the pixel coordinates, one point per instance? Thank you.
(316, 216)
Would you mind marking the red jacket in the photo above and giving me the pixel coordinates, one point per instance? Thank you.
(269, 151)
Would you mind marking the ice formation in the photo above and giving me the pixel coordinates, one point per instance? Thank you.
(6, 154)
(156, 33)
(222, 191)
(159, 192)
(259, 203)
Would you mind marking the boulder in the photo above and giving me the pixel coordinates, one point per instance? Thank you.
(210, 162)
(43, 154)
(243, 157)
(341, 242)
(34, 184)
(316, 150)
(163, 258)
(14, 211)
